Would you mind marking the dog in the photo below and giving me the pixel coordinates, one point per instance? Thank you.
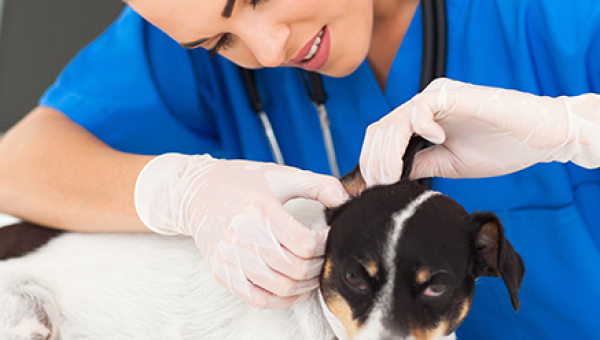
(400, 263)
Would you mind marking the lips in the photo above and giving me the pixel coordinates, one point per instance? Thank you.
(318, 60)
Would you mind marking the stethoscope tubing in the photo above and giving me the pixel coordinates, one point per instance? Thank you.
(250, 84)
(435, 41)
(433, 66)
(316, 92)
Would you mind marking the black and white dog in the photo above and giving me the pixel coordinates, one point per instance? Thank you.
(401, 263)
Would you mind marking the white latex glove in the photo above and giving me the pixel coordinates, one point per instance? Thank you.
(482, 132)
(233, 210)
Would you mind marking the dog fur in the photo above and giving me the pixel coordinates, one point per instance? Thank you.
(401, 263)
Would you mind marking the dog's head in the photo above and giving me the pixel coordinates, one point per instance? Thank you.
(401, 262)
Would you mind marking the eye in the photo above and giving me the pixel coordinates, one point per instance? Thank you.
(435, 290)
(355, 281)
(223, 43)
(255, 3)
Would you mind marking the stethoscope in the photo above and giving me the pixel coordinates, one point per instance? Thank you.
(433, 66)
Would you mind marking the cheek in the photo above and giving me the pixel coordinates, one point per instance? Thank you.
(340, 308)
(350, 41)
(459, 317)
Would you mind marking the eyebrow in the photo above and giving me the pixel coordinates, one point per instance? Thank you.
(226, 13)
(228, 9)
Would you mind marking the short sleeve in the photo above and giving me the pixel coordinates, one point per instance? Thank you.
(137, 90)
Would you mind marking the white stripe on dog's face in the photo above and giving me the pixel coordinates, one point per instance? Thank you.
(400, 263)
(374, 328)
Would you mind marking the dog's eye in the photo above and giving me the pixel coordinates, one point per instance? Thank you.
(355, 281)
(435, 290)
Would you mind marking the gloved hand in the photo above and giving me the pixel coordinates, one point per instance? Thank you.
(482, 132)
(233, 210)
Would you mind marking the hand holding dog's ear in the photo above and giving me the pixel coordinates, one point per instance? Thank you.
(482, 132)
(354, 182)
(234, 212)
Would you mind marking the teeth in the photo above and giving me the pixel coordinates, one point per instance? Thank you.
(314, 47)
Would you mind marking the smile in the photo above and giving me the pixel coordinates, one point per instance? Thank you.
(314, 47)
(315, 52)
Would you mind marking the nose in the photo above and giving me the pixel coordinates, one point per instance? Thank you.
(267, 43)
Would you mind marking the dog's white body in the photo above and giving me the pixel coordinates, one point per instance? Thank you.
(143, 283)
(147, 286)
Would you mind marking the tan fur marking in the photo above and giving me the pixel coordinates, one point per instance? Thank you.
(327, 268)
(338, 306)
(423, 275)
(431, 334)
(372, 268)
(465, 310)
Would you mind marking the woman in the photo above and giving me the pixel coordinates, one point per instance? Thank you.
(134, 93)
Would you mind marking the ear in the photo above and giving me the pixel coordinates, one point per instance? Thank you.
(415, 144)
(355, 184)
(495, 256)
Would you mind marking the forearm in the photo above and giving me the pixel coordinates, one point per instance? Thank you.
(55, 173)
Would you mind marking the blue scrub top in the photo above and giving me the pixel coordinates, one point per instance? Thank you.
(140, 92)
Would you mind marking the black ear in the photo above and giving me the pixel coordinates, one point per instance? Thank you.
(415, 144)
(355, 184)
(495, 256)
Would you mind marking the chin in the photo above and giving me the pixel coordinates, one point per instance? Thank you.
(341, 68)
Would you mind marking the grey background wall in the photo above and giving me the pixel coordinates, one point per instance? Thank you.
(37, 39)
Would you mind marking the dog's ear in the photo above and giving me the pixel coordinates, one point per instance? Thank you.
(415, 144)
(495, 256)
(355, 184)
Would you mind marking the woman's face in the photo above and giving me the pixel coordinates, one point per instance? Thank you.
(270, 33)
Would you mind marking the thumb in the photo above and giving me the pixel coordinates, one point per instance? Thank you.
(305, 184)
(423, 121)
(327, 190)
(434, 161)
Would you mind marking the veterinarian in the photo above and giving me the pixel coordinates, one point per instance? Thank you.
(86, 158)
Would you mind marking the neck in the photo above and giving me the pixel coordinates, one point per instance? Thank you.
(391, 19)
(384, 10)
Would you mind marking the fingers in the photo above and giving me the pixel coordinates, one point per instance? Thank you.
(234, 279)
(281, 285)
(286, 185)
(248, 275)
(383, 148)
(386, 140)
(424, 124)
(291, 265)
(381, 156)
(295, 237)
(254, 268)
(279, 243)
(274, 247)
